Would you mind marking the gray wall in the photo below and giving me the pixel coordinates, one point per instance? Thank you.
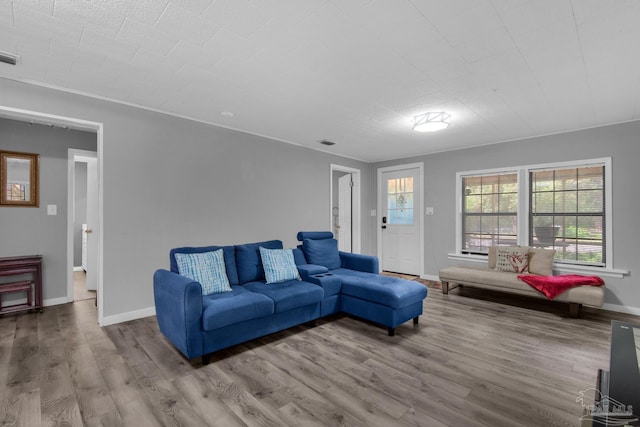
(30, 231)
(621, 142)
(80, 209)
(169, 182)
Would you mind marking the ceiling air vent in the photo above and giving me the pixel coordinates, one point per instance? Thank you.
(327, 142)
(8, 58)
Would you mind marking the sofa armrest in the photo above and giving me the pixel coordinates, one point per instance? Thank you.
(366, 263)
(308, 270)
(178, 302)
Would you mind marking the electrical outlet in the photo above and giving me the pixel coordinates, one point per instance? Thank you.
(429, 210)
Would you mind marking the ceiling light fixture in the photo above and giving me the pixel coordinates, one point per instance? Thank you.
(431, 122)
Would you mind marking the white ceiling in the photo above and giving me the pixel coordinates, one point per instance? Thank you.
(351, 71)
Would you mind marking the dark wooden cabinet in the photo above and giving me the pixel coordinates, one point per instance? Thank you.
(18, 266)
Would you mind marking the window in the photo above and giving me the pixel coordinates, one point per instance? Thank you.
(562, 206)
(567, 213)
(489, 211)
(16, 192)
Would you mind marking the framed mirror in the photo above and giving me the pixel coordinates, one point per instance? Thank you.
(18, 179)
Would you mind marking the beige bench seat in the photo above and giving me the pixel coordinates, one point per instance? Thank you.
(483, 277)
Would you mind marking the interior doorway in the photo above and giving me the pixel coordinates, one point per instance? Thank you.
(345, 207)
(84, 188)
(79, 124)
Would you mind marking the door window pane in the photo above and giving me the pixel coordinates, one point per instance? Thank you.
(400, 209)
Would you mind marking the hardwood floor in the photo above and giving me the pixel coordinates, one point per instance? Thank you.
(80, 291)
(472, 361)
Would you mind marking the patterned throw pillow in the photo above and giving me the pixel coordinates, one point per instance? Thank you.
(279, 265)
(206, 268)
(512, 258)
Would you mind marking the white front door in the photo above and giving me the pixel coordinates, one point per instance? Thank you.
(92, 224)
(400, 221)
(345, 185)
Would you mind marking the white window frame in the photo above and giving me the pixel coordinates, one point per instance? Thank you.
(523, 214)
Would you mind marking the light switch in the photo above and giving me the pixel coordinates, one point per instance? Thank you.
(373, 212)
(429, 210)
(52, 209)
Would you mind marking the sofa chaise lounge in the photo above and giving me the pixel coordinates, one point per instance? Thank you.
(540, 263)
(198, 325)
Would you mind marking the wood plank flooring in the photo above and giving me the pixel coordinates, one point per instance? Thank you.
(80, 291)
(476, 359)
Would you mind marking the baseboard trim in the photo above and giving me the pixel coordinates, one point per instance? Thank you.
(78, 268)
(430, 277)
(130, 315)
(621, 309)
(55, 301)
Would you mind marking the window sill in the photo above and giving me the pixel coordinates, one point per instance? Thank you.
(557, 268)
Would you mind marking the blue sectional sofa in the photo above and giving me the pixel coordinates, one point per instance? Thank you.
(249, 307)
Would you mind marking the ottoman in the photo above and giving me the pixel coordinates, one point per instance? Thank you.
(389, 301)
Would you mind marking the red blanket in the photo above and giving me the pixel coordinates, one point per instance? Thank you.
(552, 286)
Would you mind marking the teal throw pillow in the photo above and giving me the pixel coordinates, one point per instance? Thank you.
(206, 268)
(279, 265)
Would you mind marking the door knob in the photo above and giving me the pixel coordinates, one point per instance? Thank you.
(88, 231)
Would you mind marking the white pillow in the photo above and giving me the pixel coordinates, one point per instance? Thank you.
(512, 258)
(541, 261)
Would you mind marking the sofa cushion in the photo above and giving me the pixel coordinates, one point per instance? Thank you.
(512, 258)
(249, 262)
(279, 265)
(322, 252)
(541, 261)
(288, 295)
(384, 290)
(298, 255)
(229, 259)
(237, 306)
(207, 268)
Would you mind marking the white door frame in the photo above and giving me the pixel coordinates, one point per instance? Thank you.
(420, 167)
(85, 125)
(355, 211)
(345, 216)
